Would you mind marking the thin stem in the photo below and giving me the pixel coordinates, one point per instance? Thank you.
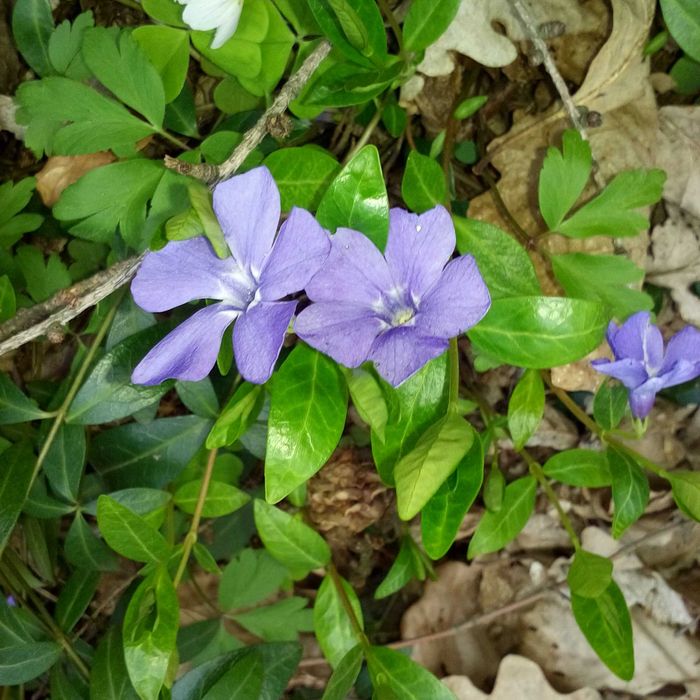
(393, 23)
(347, 606)
(191, 537)
(454, 376)
(503, 210)
(366, 134)
(174, 140)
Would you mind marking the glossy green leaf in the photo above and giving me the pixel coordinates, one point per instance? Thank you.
(152, 454)
(40, 504)
(470, 106)
(16, 407)
(423, 185)
(443, 514)
(503, 262)
(563, 177)
(590, 574)
(579, 467)
(149, 503)
(404, 678)
(8, 302)
(682, 18)
(24, 662)
(496, 530)
(200, 197)
(65, 460)
(308, 406)
(167, 49)
(334, 631)
(302, 175)
(685, 73)
(540, 332)
(181, 113)
(367, 398)
(357, 198)
(610, 405)
(426, 21)
(15, 480)
(109, 679)
(630, 490)
(237, 416)
(606, 624)
(241, 681)
(150, 632)
(221, 499)
(686, 491)
(250, 577)
(421, 472)
(289, 540)
(32, 25)
(75, 596)
(166, 11)
(407, 565)
(85, 550)
(344, 675)
(526, 408)
(199, 397)
(129, 534)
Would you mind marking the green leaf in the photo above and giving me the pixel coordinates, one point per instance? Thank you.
(165, 11)
(152, 454)
(344, 675)
(426, 21)
(221, 499)
(13, 198)
(579, 467)
(403, 677)
(242, 680)
(181, 114)
(436, 455)
(423, 185)
(15, 480)
(237, 416)
(630, 490)
(15, 407)
(64, 687)
(199, 397)
(32, 24)
(84, 550)
(606, 624)
(65, 460)
(682, 18)
(367, 398)
(540, 332)
(44, 278)
(108, 393)
(686, 491)
(470, 106)
(289, 540)
(613, 211)
(443, 514)
(168, 50)
(200, 196)
(332, 626)
(307, 416)
(231, 97)
(610, 405)
(526, 408)
(75, 596)
(65, 46)
(120, 64)
(113, 196)
(503, 262)
(22, 663)
(563, 177)
(109, 679)
(69, 118)
(407, 565)
(278, 622)
(8, 303)
(149, 503)
(357, 198)
(685, 73)
(604, 278)
(250, 577)
(302, 175)
(590, 574)
(150, 633)
(496, 530)
(129, 534)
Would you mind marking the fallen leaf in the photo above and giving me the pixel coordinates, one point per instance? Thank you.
(61, 171)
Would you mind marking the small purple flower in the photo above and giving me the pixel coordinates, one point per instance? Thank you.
(641, 363)
(10, 600)
(248, 285)
(398, 310)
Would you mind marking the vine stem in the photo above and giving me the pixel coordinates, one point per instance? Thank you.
(366, 134)
(347, 606)
(191, 537)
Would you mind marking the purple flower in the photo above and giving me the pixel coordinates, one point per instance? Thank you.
(248, 285)
(641, 363)
(398, 310)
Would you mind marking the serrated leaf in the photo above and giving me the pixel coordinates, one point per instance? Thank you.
(65, 46)
(44, 277)
(250, 577)
(278, 622)
(630, 490)
(526, 408)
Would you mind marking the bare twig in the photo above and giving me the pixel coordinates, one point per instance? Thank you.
(67, 304)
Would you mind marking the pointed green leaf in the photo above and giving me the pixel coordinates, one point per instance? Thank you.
(589, 574)
(609, 405)
(526, 408)
(630, 490)
(15, 480)
(579, 467)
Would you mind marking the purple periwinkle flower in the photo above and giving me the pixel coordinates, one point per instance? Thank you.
(400, 309)
(641, 363)
(248, 286)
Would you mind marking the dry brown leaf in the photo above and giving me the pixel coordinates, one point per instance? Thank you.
(518, 677)
(61, 171)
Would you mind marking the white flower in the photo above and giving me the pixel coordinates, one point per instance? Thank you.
(222, 15)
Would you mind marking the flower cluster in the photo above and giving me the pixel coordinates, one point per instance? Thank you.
(398, 310)
(642, 364)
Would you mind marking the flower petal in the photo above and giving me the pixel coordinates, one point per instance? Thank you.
(228, 23)
(400, 352)
(258, 336)
(343, 331)
(355, 272)
(419, 247)
(456, 302)
(631, 373)
(183, 271)
(188, 352)
(302, 246)
(204, 14)
(641, 401)
(684, 345)
(248, 209)
(637, 338)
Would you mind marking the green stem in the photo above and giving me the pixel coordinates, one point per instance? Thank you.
(347, 606)
(77, 381)
(454, 376)
(366, 134)
(393, 23)
(174, 140)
